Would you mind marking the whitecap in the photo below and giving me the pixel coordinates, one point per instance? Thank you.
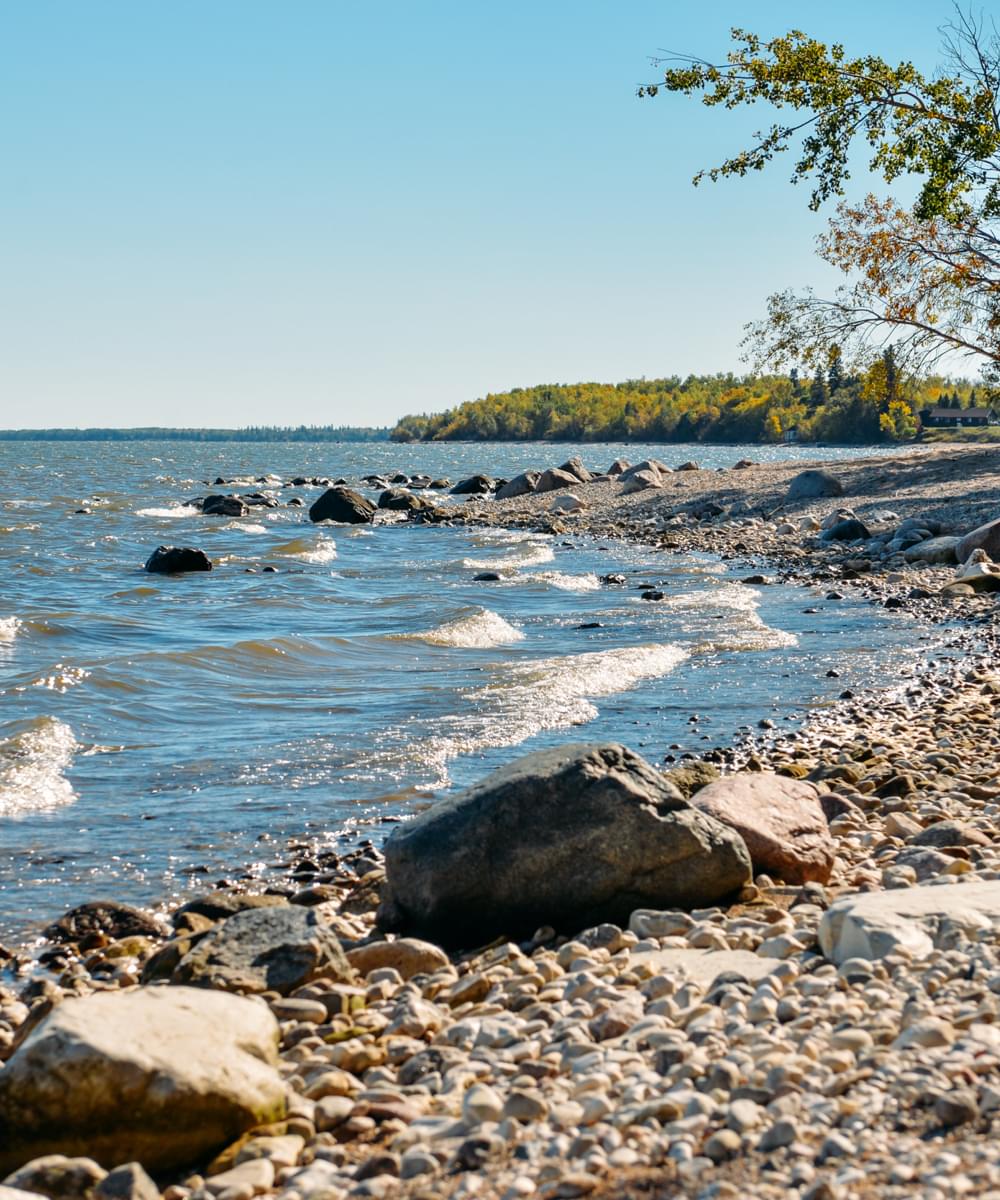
(529, 552)
(32, 762)
(567, 583)
(244, 527)
(174, 510)
(8, 628)
(319, 550)
(526, 698)
(478, 629)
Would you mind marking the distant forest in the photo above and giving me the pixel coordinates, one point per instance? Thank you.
(835, 405)
(252, 433)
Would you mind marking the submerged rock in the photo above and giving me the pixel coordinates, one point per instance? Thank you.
(172, 560)
(161, 1076)
(568, 837)
(106, 917)
(343, 505)
(224, 506)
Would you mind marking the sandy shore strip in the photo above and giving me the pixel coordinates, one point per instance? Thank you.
(815, 1040)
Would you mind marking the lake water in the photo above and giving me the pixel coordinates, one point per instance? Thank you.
(155, 731)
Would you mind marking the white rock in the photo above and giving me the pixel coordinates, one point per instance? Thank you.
(705, 966)
(481, 1103)
(872, 925)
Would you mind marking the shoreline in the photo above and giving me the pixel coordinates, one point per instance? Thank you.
(807, 1053)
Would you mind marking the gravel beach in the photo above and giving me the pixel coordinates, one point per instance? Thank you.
(817, 1039)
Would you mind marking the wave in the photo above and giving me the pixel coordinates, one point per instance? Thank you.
(528, 698)
(8, 628)
(32, 762)
(478, 629)
(567, 583)
(174, 510)
(743, 627)
(528, 552)
(321, 550)
(245, 527)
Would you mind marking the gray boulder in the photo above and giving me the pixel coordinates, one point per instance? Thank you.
(224, 506)
(936, 550)
(265, 949)
(551, 480)
(639, 481)
(395, 500)
(520, 485)
(161, 1076)
(648, 464)
(986, 537)
(569, 837)
(56, 1176)
(619, 466)
(343, 505)
(851, 530)
(814, 485)
(574, 466)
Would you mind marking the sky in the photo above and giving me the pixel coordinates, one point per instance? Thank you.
(340, 211)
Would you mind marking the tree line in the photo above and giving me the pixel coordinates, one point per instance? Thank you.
(834, 404)
(251, 433)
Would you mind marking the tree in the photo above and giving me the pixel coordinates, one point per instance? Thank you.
(835, 371)
(818, 393)
(925, 278)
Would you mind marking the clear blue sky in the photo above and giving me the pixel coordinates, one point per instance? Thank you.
(231, 212)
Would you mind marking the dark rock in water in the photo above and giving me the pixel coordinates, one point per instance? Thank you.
(220, 482)
(107, 917)
(400, 478)
(575, 467)
(440, 485)
(744, 464)
(590, 625)
(396, 501)
(172, 560)
(554, 479)
(486, 577)
(299, 481)
(344, 505)
(224, 506)
(296, 502)
(756, 580)
(521, 485)
(653, 594)
(814, 485)
(265, 949)
(851, 530)
(568, 837)
(475, 485)
(614, 579)
(269, 570)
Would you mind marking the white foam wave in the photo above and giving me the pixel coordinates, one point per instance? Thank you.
(528, 552)
(568, 583)
(475, 630)
(244, 527)
(526, 699)
(174, 510)
(322, 550)
(32, 763)
(8, 628)
(742, 628)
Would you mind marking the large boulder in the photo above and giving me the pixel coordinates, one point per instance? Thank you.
(814, 485)
(873, 925)
(986, 537)
(343, 505)
(172, 560)
(265, 949)
(619, 466)
(648, 464)
(224, 506)
(780, 819)
(574, 466)
(161, 1076)
(569, 837)
(520, 485)
(850, 530)
(394, 500)
(935, 550)
(475, 485)
(639, 481)
(554, 478)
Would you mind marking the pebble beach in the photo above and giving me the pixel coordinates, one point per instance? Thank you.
(802, 1038)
